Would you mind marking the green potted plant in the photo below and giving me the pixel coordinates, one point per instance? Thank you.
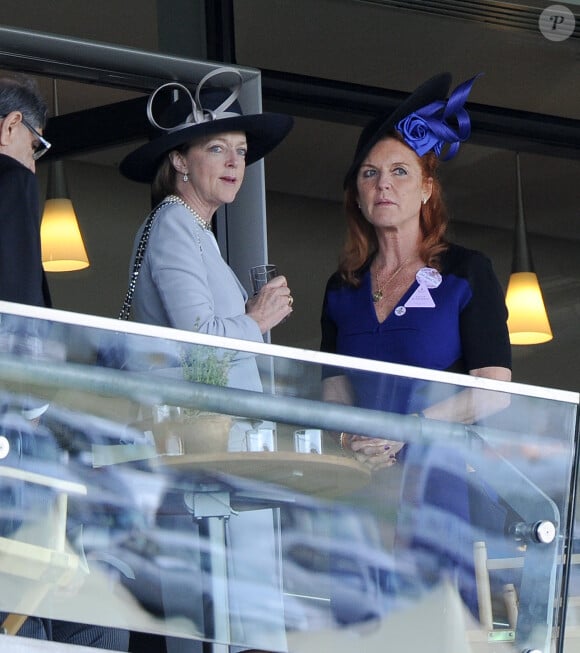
(198, 431)
(202, 364)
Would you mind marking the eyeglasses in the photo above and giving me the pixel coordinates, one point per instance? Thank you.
(40, 148)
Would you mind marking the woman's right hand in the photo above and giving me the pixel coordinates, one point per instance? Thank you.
(271, 305)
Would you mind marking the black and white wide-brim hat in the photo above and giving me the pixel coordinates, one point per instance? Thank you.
(213, 110)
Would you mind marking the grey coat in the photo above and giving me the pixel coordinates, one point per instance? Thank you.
(185, 283)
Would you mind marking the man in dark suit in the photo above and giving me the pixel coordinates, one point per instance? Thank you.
(23, 115)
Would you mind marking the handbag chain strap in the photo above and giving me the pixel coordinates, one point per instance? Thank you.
(139, 256)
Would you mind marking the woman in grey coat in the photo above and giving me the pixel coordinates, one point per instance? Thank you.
(195, 166)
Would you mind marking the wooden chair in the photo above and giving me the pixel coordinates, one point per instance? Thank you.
(483, 565)
(47, 564)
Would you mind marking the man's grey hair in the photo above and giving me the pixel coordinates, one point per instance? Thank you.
(20, 93)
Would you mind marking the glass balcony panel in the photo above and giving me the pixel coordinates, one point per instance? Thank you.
(194, 488)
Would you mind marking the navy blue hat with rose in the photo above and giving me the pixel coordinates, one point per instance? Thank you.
(426, 121)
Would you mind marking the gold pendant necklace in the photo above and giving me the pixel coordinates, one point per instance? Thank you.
(378, 293)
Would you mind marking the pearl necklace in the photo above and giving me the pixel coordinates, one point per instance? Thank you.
(378, 294)
(174, 199)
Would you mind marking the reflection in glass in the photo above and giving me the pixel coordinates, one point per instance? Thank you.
(172, 531)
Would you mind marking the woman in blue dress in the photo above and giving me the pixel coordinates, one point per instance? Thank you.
(404, 294)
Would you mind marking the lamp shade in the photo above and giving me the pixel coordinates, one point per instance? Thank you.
(528, 322)
(63, 249)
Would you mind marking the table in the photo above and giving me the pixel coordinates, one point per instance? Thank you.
(317, 475)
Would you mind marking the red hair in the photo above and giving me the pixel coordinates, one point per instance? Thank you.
(361, 242)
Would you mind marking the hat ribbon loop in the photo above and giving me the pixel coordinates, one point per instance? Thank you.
(198, 113)
(428, 128)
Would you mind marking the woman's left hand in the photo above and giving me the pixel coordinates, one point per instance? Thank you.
(374, 453)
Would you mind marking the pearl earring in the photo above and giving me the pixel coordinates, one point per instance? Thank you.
(185, 176)
(424, 200)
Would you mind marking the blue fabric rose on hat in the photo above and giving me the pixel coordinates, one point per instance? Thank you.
(429, 128)
(418, 134)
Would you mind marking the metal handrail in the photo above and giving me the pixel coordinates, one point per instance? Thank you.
(145, 387)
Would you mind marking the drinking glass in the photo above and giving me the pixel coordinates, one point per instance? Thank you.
(261, 274)
(260, 440)
(308, 441)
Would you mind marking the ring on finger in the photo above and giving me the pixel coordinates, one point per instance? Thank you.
(290, 300)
